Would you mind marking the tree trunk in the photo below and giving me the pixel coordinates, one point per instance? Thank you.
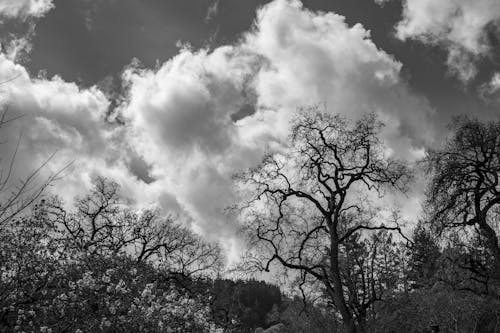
(361, 325)
(350, 327)
(338, 293)
(492, 243)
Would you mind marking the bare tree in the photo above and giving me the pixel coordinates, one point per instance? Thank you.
(18, 194)
(160, 239)
(103, 225)
(464, 191)
(309, 204)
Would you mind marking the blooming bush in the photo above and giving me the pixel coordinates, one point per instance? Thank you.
(49, 285)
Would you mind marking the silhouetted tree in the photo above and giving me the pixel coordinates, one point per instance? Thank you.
(307, 204)
(464, 190)
(103, 225)
(465, 265)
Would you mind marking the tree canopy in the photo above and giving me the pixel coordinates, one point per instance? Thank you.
(309, 207)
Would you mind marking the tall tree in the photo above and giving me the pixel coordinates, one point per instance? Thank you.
(309, 199)
(465, 191)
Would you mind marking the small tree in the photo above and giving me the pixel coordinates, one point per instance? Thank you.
(423, 257)
(306, 203)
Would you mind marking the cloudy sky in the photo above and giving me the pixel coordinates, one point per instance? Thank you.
(170, 98)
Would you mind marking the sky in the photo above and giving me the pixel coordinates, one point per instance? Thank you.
(171, 98)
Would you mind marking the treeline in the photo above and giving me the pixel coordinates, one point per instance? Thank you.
(315, 211)
(102, 267)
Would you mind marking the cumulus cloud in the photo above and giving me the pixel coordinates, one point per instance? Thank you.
(203, 115)
(459, 26)
(24, 9)
(316, 57)
(190, 99)
(17, 45)
(180, 119)
(54, 116)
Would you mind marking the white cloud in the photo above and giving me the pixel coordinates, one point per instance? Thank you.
(180, 120)
(17, 48)
(460, 26)
(317, 57)
(24, 9)
(494, 84)
(190, 99)
(181, 115)
(57, 116)
(490, 91)
(204, 115)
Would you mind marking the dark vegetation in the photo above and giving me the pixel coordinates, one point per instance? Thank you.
(315, 213)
